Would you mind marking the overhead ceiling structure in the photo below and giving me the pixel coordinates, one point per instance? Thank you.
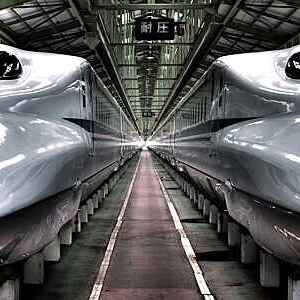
(148, 78)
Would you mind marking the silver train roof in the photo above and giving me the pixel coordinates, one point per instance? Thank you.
(263, 72)
(40, 71)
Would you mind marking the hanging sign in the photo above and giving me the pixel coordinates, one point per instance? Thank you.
(148, 114)
(151, 28)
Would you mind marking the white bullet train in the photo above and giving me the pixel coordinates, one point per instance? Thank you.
(237, 135)
(61, 135)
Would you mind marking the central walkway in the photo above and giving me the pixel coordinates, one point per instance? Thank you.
(148, 261)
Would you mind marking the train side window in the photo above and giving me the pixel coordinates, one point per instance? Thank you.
(10, 66)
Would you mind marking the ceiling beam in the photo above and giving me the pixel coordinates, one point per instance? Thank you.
(246, 40)
(294, 3)
(7, 34)
(11, 3)
(35, 15)
(265, 13)
(148, 64)
(184, 44)
(98, 4)
(260, 33)
(45, 33)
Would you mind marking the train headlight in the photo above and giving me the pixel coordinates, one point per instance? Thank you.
(292, 68)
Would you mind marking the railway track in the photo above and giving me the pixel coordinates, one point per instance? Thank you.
(233, 265)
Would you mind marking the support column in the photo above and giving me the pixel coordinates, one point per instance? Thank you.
(185, 187)
(52, 251)
(248, 249)
(195, 197)
(90, 207)
(77, 222)
(188, 192)
(182, 183)
(10, 290)
(84, 214)
(178, 180)
(200, 201)
(234, 235)
(222, 222)
(95, 201)
(213, 212)
(100, 197)
(66, 234)
(106, 190)
(294, 285)
(34, 269)
(192, 189)
(206, 206)
(269, 271)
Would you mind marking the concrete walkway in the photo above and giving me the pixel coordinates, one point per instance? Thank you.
(148, 260)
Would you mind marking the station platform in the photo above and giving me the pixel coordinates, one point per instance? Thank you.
(148, 261)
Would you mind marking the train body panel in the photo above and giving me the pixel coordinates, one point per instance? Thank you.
(236, 135)
(261, 158)
(35, 153)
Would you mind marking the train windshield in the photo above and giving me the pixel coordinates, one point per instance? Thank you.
(10, 66)
(292, 69)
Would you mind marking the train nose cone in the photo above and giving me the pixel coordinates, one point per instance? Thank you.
(262, 158)
(38, 158)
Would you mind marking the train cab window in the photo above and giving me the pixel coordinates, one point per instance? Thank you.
(292, 69)
(10, 66)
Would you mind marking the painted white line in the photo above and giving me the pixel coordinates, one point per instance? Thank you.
(98, 285)
(203, 287)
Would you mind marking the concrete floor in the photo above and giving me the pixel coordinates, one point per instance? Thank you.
(148, 261)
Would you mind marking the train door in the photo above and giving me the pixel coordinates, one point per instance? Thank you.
(173, 130)
(220, 118)
(172, 140)
(88, 104)
(221, 97)
(121, 136)
(215, 123)
(218, 101)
